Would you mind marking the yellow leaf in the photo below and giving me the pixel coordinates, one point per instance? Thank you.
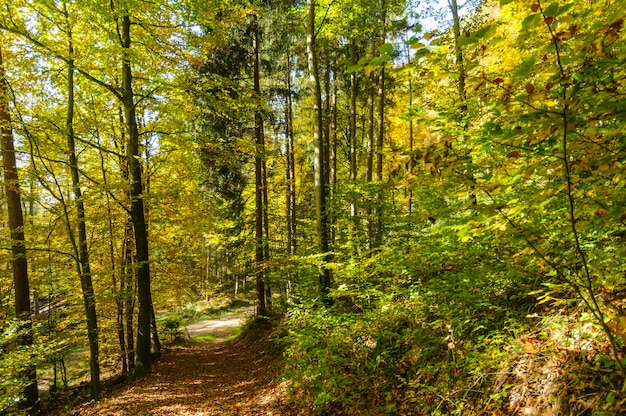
(370, 68)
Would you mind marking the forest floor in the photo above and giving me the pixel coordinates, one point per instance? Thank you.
(218, 377)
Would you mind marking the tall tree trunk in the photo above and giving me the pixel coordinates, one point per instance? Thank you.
(291, 168)
(326, 127)
(369, 170)
(84, 268)
(16, 227)
(260, 196)
(127, 284)
(156, 342)
(333, 159)
(352, 132)
(318, 140)
(118, 288)
(378, 234)
(290, 176)
(143, 365)
(411, 158)
(456, 29)
(461, 113)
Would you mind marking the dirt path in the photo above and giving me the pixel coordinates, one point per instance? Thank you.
(221, 327)
(206, 378)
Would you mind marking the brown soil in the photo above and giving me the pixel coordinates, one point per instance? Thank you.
(207, 378)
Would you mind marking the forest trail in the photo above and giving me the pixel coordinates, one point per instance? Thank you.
(221, 327)
(205, 378)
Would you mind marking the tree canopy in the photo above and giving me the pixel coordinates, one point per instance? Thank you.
(430, 194)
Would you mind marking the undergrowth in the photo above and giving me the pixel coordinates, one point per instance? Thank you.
(446, 345)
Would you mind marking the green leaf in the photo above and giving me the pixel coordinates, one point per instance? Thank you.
(430, 34)
(552, 10)
(467, 40)
(421, 53)
(531, 21)
(386, 49)
(564, 8)
(505, 2)
(525, 67)
(486, 32)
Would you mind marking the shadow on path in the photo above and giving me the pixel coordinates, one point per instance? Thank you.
(206, 378)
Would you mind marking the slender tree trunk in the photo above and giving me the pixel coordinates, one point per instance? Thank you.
(318, 140)
(260, 196)
(118, 289)
(352, 132)
(326, 127)
(156, 342)
(290, 175)
(411, 156)
(461, 114)
(333, 160)
(84, 268)
(369, 172)
(18, 247)
(291, 168)
(127, 284)
(378, 234)
(456, 29)
(143, 365)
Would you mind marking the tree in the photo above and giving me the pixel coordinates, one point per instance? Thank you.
(82, 253)
(321, 212)
(260, 193)
(16, 226)
(143, 365)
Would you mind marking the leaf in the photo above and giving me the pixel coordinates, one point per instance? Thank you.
(421, 53)
(525, 67)
(430, 34)
(370, 68)
(386, 49)
(552, 10)
(467, 40)
(486, 32)
(531, 21)
(564, 8)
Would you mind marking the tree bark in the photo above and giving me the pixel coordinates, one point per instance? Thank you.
(378, 234)
(353, 133)
(143, 364)
(18, 247)
(291, 168)
(260, 194)
(84, 268)
(318, 140)
(369, 170)
(456, 29)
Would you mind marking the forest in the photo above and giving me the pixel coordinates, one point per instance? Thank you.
(425, 200)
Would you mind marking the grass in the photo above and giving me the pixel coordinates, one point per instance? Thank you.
(204, 338)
